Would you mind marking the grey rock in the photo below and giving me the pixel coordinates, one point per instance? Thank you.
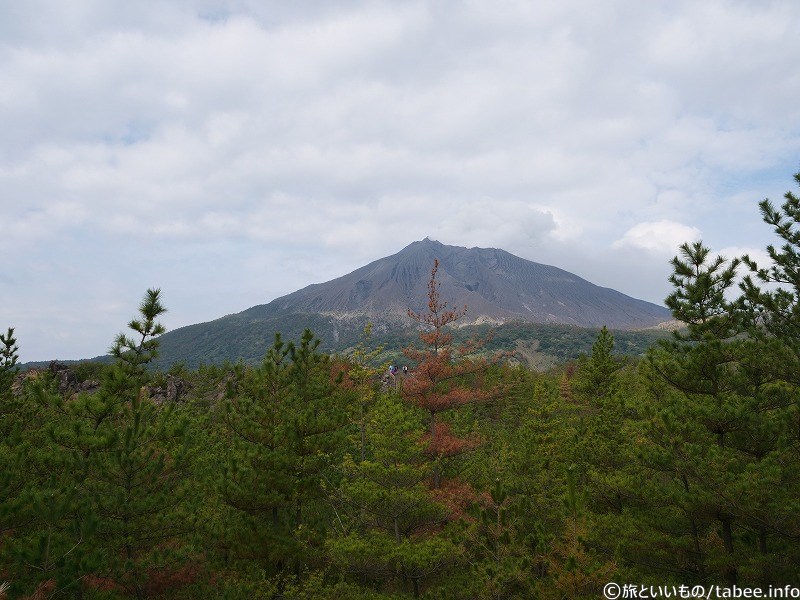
(494, 285)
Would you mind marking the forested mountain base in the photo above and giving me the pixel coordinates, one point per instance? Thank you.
(469, 477)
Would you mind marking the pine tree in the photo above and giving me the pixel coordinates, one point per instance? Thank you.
(8, 362)
(772, 318)
(285, 425)
(110, 511)
(444, 378)
(29, 516)
(695, 425)
(505, 544)
(723, 435)
(574, 569)
(603, 396)
(597, 375)
(363, 373)
(387, 524)
(18, 426)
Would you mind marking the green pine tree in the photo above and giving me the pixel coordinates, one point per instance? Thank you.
(9, 358)
(111, 508)
(721, 432)
(387, 524)
(285, 427)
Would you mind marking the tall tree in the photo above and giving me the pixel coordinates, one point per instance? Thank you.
(574, 569)
(387, 525)
(363, 373)
(445, 377)
(770, 304)
(9, 358)
(725, 435)
(118, 474)
(504, 545)
(596, 378)
(18, 424)
(605, 407)
(285, 427)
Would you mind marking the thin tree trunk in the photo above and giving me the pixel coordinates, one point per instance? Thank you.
(434, 443)
(731, 574)
(363, 435)
(695, 536)
(766, 579)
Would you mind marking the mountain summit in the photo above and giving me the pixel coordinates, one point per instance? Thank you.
(497, 288)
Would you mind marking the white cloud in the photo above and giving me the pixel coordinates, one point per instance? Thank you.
(660, 236)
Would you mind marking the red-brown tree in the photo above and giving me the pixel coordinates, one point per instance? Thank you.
(447, 376)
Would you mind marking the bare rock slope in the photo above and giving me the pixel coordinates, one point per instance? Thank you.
(495, 286)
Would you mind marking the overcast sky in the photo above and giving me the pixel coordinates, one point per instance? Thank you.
(232, 152)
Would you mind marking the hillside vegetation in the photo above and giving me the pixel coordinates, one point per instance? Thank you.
(531, 343)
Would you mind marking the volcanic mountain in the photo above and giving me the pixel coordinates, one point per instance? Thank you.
(495, 286)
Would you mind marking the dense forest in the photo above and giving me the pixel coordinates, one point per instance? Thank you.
(319, 476)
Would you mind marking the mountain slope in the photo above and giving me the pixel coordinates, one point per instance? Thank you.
(496, 286)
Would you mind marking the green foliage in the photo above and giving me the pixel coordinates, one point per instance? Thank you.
(596, 379)
(284, 424)
(505, 544)
(387, 521)
(726, 435)
(536, 345)
(135, 352)
(108, 480)
(698, 299)
(364, 371)
(9, 358)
